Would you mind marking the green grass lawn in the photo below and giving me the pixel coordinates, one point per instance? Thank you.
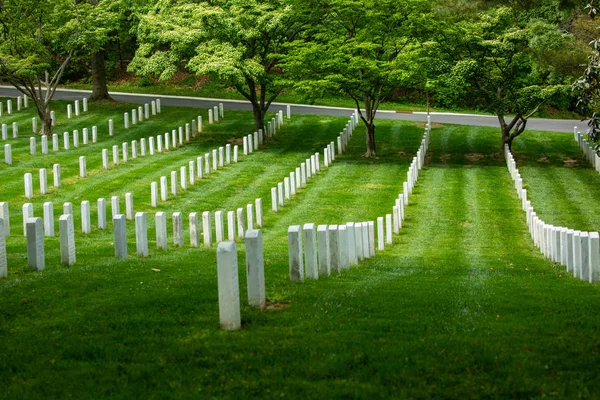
(461, 306)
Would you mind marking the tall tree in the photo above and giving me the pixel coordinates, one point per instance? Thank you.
(358, 48)
(495, 64)
(237, 41)
(587, 85)
(39, 39)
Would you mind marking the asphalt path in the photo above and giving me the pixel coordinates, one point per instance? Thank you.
(543, 124)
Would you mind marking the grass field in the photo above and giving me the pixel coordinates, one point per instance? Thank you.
(461, 306)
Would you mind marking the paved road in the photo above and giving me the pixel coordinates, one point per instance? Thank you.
(556, 125)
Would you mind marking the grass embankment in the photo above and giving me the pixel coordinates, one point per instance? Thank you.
(462, 306)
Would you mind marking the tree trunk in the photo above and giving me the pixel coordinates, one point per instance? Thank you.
(259, 117)
(99, 86)
(45, 118)
(371, 149)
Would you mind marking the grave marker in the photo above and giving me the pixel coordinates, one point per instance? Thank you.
(310, 251)
(160, 220)
(5, 216)
(35, 244)
(194, 230)
(48, 213)
(207, 228)
(295, 253)
(101, 213)
(229, 291)
(219, 227)
(255, 269)
(120, 236)
(231, 226)
(323, 252)
(178, 240)
(86, 225)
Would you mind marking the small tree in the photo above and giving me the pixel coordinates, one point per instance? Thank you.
(38, 37)
(356, 49)
(494, 67)
(588, 86)
(236, 41)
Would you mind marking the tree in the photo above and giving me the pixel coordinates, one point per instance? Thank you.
(495, 64)
(103, 24)
(587, 86)
(357, 49)
(236, 41)
(38, 37)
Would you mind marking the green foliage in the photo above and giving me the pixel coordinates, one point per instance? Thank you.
(358, 48)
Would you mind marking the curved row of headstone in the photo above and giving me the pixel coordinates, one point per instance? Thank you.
(318, 250)
(578, 251)
(283, 192)
(140, 114)
(238, 223)
(75, 107)
(22, 102)
(587, 148)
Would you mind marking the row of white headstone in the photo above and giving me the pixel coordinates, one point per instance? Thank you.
(237, 224)
(43, 179)
(22, 102)
(587, 148)
(153, 145)
(142, 113)
(311, 166)
(77, 108)
(578, 251)
(337, 247)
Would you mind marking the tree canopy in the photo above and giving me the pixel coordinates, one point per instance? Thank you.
(39, 38)
(356, 49)
(237, 41)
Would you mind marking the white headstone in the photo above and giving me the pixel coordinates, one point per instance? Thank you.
(160, 220)
(28, 183)
(5, 216)
(67, 239)
(32, 146)
(343, 246)
(295, 253)
(274, 199)
(241, 226)
(194, 230)
(219, 227)
(120, 236)
(115, 207)
(207, 228)
(48, 209)
(43, 181)
(229, 290)
(371, 225)
(129, 211)
(351, 232)
(174, 183)
(27, 214)
(101, 213)
(334, 249)
(250, 216)
(231, 226)
(44, 144)
(68, 208)
(86, 137)
(86, 224)
(178, 240)
(55, 142)
(594, 257)
(82, 167)
(323, 252)
(388, 228)
(8, 154)
(235, 153)
(259, 212)
(183, 177)
(310, 251)
(115, 154)
(255, 269)
(35, 244)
